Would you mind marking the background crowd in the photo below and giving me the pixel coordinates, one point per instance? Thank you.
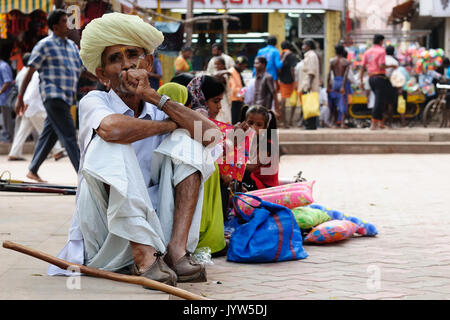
(287, 82)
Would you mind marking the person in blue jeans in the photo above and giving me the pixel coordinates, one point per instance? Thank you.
(58, 62)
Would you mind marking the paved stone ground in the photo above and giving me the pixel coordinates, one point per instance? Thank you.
(405, 196)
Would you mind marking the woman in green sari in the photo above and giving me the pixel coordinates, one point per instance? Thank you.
(206, 93)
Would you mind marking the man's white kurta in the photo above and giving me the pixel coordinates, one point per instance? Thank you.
(100, 231)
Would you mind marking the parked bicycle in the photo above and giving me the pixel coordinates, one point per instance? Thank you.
(437, 111)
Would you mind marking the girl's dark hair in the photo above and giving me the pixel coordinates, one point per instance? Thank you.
(212, 87)
(54, 17)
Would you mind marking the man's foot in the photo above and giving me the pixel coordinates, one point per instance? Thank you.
(11, 158)
(158, 271)
(34, 176)
(186, 270)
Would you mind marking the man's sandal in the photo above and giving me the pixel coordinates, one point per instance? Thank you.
(158, 271)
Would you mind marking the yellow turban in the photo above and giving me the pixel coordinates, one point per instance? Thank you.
(114, 29)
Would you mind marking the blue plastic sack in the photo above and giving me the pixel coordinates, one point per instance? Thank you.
(269, 234)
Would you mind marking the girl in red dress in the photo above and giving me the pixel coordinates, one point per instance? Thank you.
(262, 168)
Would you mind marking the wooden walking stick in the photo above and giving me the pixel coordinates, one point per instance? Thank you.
(104, 274)
(35, 189)
(35, 184)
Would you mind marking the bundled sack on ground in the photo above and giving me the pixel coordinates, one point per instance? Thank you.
(291, 196)
(308, 218)
(364, 228)
(332, 231)
(269, 234)
(340, 227)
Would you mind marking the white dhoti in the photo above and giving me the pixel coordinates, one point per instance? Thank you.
(107, 225)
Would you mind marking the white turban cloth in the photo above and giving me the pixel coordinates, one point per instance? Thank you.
(115, 29)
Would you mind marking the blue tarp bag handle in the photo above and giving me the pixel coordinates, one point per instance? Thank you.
(242, 214)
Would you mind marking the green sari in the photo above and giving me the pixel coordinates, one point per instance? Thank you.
(211, 225)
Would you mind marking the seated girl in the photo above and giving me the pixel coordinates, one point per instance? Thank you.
(263, 165)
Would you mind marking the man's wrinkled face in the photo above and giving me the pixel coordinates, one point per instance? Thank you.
(118, 58)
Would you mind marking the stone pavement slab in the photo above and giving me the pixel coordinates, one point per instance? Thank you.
(406, 196)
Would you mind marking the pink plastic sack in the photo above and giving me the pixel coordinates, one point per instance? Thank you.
(291, 196)
(282, 188)
(332, 231)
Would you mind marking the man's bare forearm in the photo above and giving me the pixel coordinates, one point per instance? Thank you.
(186, 118)
(118, 128)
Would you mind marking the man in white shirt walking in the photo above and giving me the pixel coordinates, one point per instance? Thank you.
(33, 118)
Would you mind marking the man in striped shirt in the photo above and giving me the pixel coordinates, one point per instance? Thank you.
(58, 62)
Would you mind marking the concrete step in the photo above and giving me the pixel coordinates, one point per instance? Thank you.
(365, 135)
(351, 141)
(359, 147)
(5, 147)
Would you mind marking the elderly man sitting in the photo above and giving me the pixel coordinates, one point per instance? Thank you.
(140, 186)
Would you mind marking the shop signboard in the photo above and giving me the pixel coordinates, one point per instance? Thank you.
(246, 4)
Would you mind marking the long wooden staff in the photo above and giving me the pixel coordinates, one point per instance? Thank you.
(104, 274)
(30, 188)
(35, 184)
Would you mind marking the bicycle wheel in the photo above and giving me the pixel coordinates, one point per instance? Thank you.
(430, 114)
